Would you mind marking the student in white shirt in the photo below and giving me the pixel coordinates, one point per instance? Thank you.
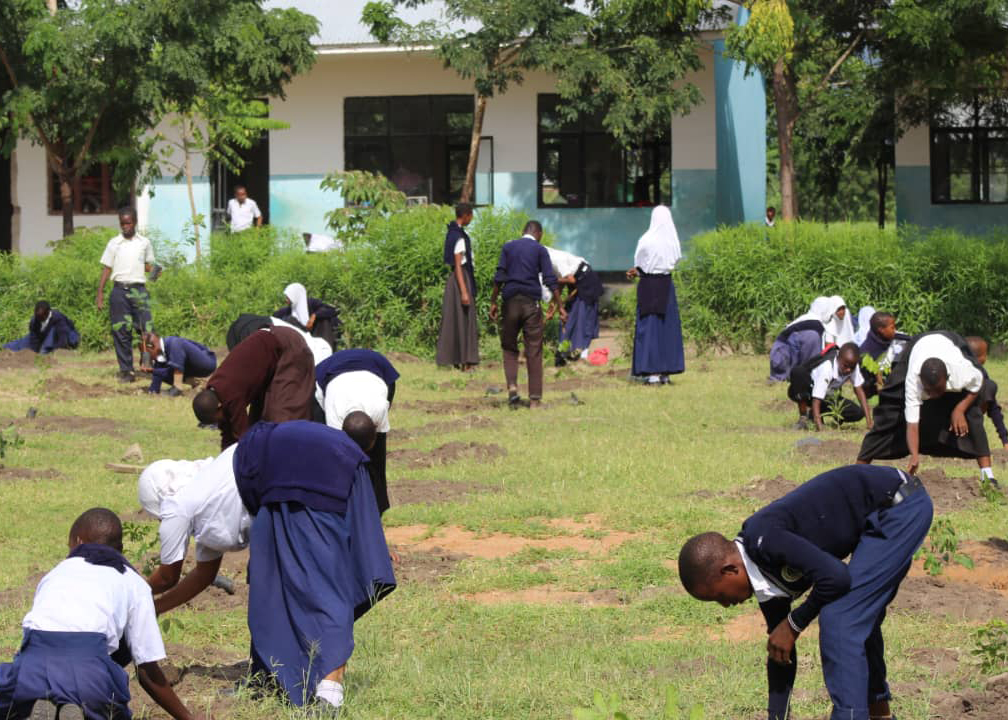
(242, 211)
(930, 405)
(584, 290)
(127, 257)
(815, 386)
(197, 500)
(90, 612)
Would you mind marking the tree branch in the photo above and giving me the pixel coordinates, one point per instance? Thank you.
(840, 61)
(10, 71)
(86, 146)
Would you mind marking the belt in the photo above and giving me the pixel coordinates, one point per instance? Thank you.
(910, 485)
(129, 285)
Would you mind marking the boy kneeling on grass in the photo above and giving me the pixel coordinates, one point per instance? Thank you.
(818, 382)
(878, 516)
(90, 612)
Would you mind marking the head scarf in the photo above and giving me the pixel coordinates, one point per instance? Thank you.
(164, 478)
(842, 329)
(864, 317)
(298, 297)
(819, 310)
(658, 249)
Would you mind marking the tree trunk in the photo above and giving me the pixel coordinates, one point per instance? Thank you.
(189, 187)
(883, 189)
(786, 106)
(469, 187)
(67, 200)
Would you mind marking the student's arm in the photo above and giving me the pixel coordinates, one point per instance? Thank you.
(549, 279)
(997, 417)
(154, 683)
(100, 296)
(493, 301)
(460, 279)
(865, 407)
(165, 577)
(780, 677)
(817, 413)
(196, 581)
(913, 446)
(959, 425)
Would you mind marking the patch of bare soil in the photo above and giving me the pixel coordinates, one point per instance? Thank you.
(939, 661)
(990, 703)
(546, 595)
(990, 566)
(834, 450)
(21, 595)
(65, 388)
(402, 357)
(235, 567)
(780, 405)
(765, 490)
(72, 424)
(446, 454)
(10, 360)
(431, 492)
(138, 516)
(942, 595)
(950, 493)
(458, 540)
(470, 422)
(201, 677)
(419, 566)
(455, 407)
(17, 473)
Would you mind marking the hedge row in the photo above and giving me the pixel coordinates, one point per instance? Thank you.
(387, 285)
(739, 286)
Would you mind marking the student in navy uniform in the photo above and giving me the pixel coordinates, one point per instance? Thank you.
(800, 341)
(931, 405)
(584, 290)
(883, 343)
(270, 375)
(48, 330)
(877, 515)
(126, 259)
(522, 262)
(71, 652)
(816, 385)
(658, 344)
(318, 557)
(171, 354)
(310, 314)
(458, 339)
(988, 402)
(360, 380)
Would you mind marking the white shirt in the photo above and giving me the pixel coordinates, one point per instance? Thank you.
(76, 596)
(826, 378)
(320, 349)
(210, 510)
(763, 589)
(322, 243)
(359, 390)
(242, 214)
(460, 249)
(127, 258)
(962, 374)
(564, 263)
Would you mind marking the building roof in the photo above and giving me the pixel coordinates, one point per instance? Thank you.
(340, 23)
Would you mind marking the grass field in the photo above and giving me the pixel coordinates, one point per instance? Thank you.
(538, 547)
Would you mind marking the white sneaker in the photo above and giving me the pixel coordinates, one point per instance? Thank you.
(653, 379)
(331, 692)
(584, 354)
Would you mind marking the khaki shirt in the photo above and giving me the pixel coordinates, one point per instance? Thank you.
(127, 258)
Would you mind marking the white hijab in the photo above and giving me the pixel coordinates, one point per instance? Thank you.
(164, 478)
(658, 249)
(864, 317)
(820, 310)
(298, 297)
(842, 329)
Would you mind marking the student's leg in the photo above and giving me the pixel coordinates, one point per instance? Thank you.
(532, 332)
(878, 688)
(19, 344)
(379, 482)
(121, 319)
(850, 412)
(49, 342)
(878, 565)
(510, 325)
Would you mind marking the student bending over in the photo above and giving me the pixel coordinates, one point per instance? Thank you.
(815, 385)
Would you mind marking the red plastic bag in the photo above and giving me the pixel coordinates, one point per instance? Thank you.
(599, 356)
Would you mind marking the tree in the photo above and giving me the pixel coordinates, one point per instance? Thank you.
(88, 78)
(509, 39)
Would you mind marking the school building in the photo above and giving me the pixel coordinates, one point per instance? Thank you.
(371, 107)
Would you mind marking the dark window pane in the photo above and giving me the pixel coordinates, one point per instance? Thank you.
(997, 170)
(411, 168)
(91, 191)
(367, 155)
(549, 116)
(366, 116)
(452, 114)
(458, 163)
(410, 115)
(953, 156)
(604, 171)
(560, 172)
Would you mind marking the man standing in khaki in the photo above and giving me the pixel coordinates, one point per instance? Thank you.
(126, 260)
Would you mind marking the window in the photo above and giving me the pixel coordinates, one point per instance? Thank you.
(419, 142)
(581, 165)
(969, 156)
(92, 192)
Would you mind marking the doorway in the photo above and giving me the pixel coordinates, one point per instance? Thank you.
(6, 206)
(254, 176)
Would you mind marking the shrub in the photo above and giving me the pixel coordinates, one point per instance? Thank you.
(739, 285)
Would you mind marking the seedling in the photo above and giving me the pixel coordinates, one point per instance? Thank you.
(942, 548)
(9, 440)
(991, 492)
(143, 543)
(610, 708)
(991, 646)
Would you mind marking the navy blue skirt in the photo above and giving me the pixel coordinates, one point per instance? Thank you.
(311, 574)
(66, 668)
(658, 342)
(582, 324)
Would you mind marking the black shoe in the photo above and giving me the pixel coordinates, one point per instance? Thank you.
(126, 376)
(174, 391)
(514, 402)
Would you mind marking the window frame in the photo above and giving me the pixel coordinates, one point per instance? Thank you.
(109, 205)
(583, 134)
(981, 137)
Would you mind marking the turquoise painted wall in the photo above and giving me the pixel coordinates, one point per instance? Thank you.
(740, 112)
(913, 205)
(297, 202)
(169, 210)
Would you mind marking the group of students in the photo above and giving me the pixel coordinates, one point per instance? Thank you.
(529, 274)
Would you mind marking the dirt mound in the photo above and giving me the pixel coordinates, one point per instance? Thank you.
(471, 422)
(432, 492)
(204, 678)
(454, 407)
(944, 596)
(419, 566)
(990, 566)
(18, 473)
(950, 493)
(66, 388)
(10, 360)
(72, 424)
(990, 703)
(447, 453)
(832, 450)
(765, 490)
(547, 595)
(402, 357)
